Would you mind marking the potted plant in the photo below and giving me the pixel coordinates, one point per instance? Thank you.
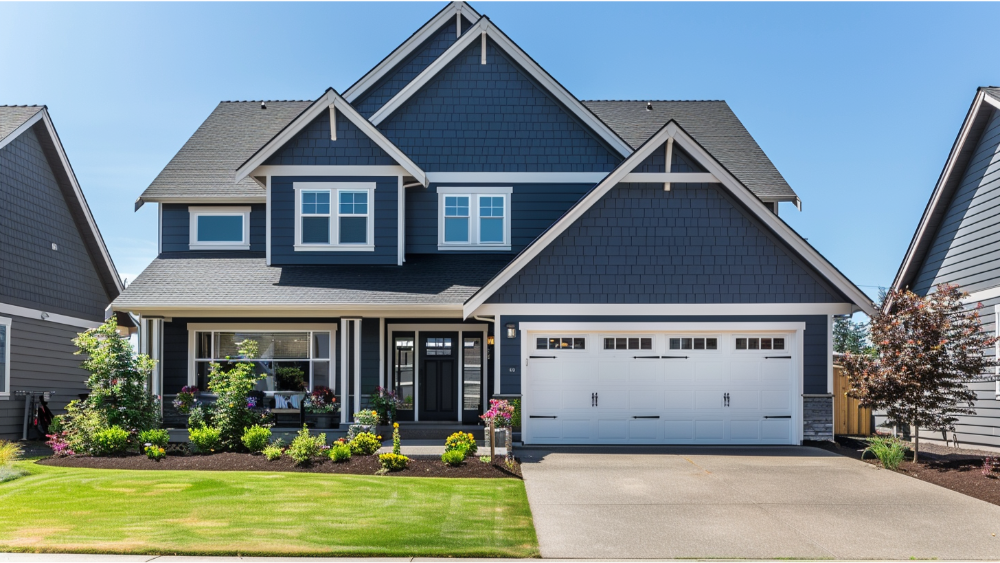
(186, 399)
(501, 415)
(385, 403)
(322, 403)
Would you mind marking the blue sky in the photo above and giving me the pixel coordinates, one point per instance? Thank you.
(857, 104)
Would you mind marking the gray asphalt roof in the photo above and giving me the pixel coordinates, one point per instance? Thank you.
(206, 164)
(203, 279)
(12, 117)
(712, 123)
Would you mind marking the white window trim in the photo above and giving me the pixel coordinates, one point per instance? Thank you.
(334, 188)
(5, 322)
(196, 211)
(474, 194)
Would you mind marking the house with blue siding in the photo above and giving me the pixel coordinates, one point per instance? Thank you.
(958, 242)
(457, 226)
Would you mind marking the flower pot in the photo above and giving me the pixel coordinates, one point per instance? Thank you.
(324, 421)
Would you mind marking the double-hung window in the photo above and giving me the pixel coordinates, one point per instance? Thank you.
(334, 216)
(219, 228)
(4, 356)
(474, 218)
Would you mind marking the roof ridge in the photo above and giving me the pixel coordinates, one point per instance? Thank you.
(258, 101)
(22, 106)
(647, 101)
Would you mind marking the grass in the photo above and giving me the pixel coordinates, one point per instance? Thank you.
(59, 509)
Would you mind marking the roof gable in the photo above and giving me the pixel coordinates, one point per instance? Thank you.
(43, 131)
(672, 133)
(369, 101)
(472, 117)
(485, 29)
(963, 150)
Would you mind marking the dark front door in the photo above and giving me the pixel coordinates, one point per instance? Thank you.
(438, 379)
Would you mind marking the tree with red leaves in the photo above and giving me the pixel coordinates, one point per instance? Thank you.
(926, 350)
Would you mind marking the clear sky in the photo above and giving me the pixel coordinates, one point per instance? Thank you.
(856, 104)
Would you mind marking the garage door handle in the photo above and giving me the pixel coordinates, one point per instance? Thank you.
(540, 357)
(645, 357)
(645, 417)
(777, 357)
(674, 357)
(783, 416)
(540, 416)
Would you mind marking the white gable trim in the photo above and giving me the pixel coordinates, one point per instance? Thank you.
(43, 115)
(521, 58)
(330, 98)
(453, 10)
(745, 196)
(936, 196)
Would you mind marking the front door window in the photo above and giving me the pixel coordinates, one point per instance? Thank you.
(403, 374)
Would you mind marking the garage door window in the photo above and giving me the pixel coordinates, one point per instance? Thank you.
(694, 343)
(560, 343)
(760, 343)
(628, 343)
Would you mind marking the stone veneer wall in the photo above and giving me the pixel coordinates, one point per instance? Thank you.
(817, 417)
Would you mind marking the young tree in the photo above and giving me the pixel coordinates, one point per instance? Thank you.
(232, 413)
(849, 336)
(927, 349)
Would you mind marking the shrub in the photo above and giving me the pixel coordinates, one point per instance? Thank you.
(156, 437)
(305, 447)
(393, 462)
(155, 453)
(989, 465)
(461, 440)
(110, 441)
(9, 452)
(454, 457)
(273, 451)
(340, 452)
(200, 416)
(231, 413)
(204, 440)
(60, 447)
(889, 450)
(515, 417)
(395, 438)
(484, 459)
(500, 414)
(365, 443)
(368, 418)
(256, 438)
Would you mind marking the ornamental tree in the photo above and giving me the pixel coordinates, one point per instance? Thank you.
(926, 350)
(849, 336)
(232, 414)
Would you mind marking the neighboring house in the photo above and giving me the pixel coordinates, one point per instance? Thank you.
(457, 225)
(56, 276)
(958, 242)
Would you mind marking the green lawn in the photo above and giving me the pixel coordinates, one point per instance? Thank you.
(255, 513)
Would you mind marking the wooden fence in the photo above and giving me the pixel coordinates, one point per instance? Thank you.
(848, 417)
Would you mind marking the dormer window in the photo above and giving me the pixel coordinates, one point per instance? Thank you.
(219, 228)
(474, 218)
(334, 216)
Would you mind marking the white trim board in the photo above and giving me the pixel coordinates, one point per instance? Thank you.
(195, 200)
(672, 130)
(517, 177)
(196, 211)
(329, 98)
(631, 327)
(660, 309)
(50, 317)
(328, 170)
(982, 295)
(43, 116)
(484, 25)
(5, 375)
(399, 54)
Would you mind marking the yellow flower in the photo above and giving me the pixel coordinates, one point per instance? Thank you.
(395, 425)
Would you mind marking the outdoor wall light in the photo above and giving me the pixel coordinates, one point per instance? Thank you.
(511, 330)
(489, 340)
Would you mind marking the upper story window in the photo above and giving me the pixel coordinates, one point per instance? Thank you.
(334, 216)
(219, 228)
(474, 218)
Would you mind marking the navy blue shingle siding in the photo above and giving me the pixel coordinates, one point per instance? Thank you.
(641, 244)
(312, 146)
(493, 118)
(386, 226)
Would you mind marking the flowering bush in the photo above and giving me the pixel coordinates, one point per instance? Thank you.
(461, 440)
(395, 438)
(60, 447)
(385, 402)
(368, 418)
(393, 462)
(989, 465)
(321, 401)
(500, 413)
(204, 440)
(155, 453)
(186, 398)
(365, 443)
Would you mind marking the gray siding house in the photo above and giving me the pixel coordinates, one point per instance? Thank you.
(457, 226)
(958, 242)
(56, 276)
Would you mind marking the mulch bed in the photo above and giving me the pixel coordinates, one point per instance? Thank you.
(956, 471)
(419, 466)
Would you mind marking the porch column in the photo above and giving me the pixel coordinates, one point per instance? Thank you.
(344, 390)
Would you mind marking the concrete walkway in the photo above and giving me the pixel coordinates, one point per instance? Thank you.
(758, 503)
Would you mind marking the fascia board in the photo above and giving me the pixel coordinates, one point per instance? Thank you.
(904, 272)
(671, 129)
(43, 115)
(522, 59)
(404, 50)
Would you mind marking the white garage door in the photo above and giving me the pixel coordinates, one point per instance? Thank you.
(660, 388)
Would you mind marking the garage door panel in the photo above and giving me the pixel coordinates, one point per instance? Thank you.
(578, 398)
(709, 399)
(776, 370)
(645, 399)
(776, 399)
(614, 429)
(679, 370)
(745, 371)
(709, 429)
(779, 429)
(679, 399)
(578, 429)
(712, 372)
(679, 430)
(743, 399)
(612, 399)
(744, 429)
(612, 373)
(578, 372)
(644, 429)
(547, 400)
(543, 428)
(644, 372)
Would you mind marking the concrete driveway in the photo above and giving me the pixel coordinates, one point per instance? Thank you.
(760, 503)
